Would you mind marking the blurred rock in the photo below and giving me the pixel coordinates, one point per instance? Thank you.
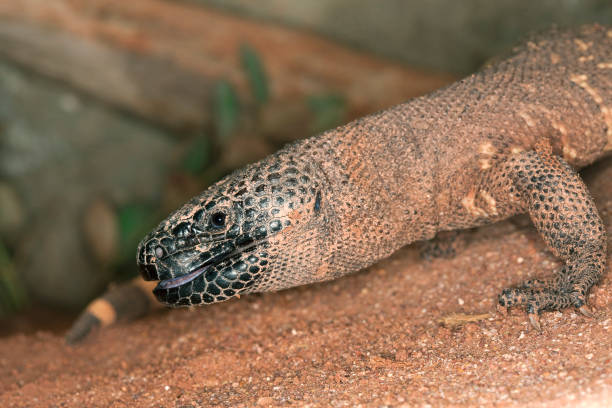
(11, 213)
(285, 122)
(60, 150)
(112, 74)
(446, 35)
(101, 231)
(55, 264)
(244, 148)
(164, 66)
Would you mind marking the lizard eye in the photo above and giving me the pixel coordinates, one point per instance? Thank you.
(217, 220)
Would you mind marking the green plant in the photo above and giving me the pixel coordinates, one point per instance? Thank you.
(226, 110)
(12, 293)
(255, 73)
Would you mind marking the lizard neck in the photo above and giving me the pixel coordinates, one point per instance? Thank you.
(378, 183)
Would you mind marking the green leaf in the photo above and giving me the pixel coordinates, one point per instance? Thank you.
(329, 110)
(135, 221)
(256, 73)
(226, 110)
(197, 156)
(12, 293)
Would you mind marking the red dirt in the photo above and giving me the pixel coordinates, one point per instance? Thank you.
(374, 338)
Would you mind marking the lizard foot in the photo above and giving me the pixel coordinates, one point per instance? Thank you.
(565, 215)
(552, 294)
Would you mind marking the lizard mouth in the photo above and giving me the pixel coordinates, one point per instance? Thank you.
(195, 273)
(220, 278)
(181, 280)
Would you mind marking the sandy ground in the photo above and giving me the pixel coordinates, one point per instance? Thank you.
(405, 332)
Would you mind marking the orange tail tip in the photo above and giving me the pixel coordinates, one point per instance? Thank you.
(127, 301)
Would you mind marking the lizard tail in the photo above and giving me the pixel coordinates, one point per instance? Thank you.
(126, 301)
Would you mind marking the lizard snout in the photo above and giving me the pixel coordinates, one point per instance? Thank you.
(147, 259)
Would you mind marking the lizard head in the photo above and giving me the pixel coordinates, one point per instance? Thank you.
(243, 234)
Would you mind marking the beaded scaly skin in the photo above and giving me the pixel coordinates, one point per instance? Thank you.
(503, 141)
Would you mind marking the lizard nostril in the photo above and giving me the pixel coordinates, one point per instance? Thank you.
(159, 252)
(148, 272)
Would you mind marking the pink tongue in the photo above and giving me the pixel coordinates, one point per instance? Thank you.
(174, 282)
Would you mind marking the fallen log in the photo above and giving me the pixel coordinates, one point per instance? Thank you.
(160, 59)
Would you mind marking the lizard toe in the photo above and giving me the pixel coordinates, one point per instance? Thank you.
(586, 311)
(534, 319)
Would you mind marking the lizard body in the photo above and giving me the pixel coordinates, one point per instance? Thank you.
(500, 142)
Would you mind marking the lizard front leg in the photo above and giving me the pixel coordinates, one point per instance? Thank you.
(564, 214)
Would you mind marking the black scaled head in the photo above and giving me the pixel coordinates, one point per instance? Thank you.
(218, 244)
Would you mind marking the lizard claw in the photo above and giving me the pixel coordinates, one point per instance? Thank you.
(535, 321)
(586, 311)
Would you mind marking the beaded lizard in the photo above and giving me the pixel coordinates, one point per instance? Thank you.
(503, 141)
